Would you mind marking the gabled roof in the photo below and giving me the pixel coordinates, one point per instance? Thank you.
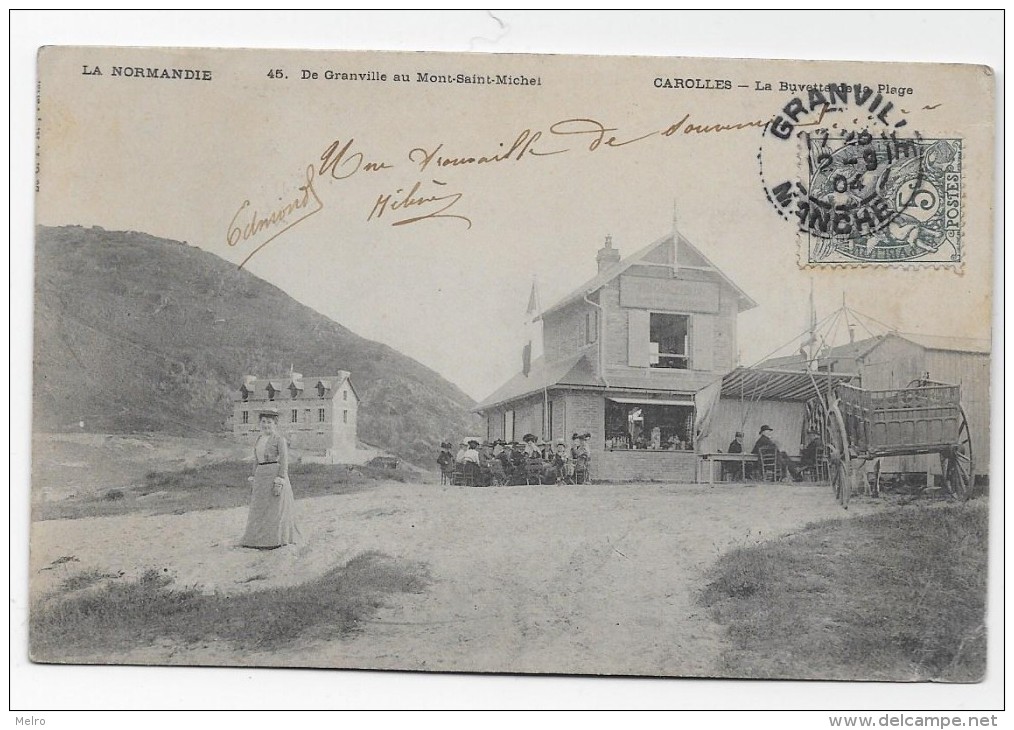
(572, 370)
(607, 275)
(861, 348)
(308, 384)
(952, 344)
(848, 351)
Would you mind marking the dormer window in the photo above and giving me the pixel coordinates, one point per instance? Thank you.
(244, 393)
(321, 390)
(294, 391)
(271, 391)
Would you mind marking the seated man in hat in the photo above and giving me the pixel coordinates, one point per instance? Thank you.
(733, 471)
(765, 441)
(518, 462)
(813, 450)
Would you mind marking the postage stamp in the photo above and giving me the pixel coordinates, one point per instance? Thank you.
(882, 200)
(843, 165)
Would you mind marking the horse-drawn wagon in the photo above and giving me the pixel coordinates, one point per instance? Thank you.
(924, 418)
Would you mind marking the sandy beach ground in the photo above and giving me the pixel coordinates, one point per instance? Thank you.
(597, 579)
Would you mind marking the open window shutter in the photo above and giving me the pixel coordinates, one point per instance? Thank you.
(638, 336)
(702, 340)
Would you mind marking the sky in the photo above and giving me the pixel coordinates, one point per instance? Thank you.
(200, 162)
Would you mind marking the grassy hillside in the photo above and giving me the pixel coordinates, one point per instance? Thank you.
(137, 333)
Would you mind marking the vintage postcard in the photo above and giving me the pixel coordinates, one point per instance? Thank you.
(512, 363)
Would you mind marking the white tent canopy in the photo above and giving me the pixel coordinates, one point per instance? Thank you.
(748, 398)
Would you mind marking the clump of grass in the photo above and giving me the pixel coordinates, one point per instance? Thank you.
(125, 615)
(214, 486)
(85, 579)
(898, 595)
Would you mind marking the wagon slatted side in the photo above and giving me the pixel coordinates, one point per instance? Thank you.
(920, 420)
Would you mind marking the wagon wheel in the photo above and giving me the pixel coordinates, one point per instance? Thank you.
(957, 465)
(839, 456)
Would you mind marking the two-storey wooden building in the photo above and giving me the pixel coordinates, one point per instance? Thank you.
(624, 354)
(317, 414)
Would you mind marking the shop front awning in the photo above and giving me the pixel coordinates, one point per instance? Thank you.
(684, 401)
(785, 385)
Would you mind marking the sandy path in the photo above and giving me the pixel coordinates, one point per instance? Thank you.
(582, 579)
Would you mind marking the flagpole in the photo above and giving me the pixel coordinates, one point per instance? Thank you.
(813, 330)
(534, 313)
(675, 241)
(547, 426)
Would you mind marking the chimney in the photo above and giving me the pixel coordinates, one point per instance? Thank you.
(607, 255)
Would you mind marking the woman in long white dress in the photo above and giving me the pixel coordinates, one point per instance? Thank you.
(271, 521)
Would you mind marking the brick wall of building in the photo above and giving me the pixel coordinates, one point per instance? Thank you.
(566, 331)
(616, 325)
(726, 351)
(585, 412)
(661, 466)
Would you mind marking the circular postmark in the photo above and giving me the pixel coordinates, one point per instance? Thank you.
(840, 162)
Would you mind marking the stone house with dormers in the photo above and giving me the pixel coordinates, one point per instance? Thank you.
(317, 414)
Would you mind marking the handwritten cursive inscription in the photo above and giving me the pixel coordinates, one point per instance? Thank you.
(595, 131)
(416, 201)
(342, 161)
(247, 224)
(523, 145)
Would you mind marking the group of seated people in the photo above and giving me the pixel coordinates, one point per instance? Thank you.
(808, 455)
(532, 461)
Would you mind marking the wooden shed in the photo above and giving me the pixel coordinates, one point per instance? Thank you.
(895, 359)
